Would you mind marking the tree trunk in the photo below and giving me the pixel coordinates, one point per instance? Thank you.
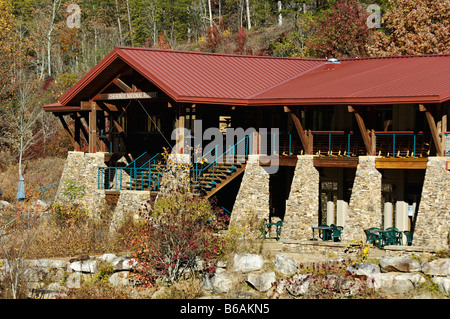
(249, 23)
(210, 14)
(118, 23)
(129, 23)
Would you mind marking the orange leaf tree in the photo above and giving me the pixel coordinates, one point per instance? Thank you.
(413, 27)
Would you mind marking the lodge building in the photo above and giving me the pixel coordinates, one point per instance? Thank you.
(358, 143)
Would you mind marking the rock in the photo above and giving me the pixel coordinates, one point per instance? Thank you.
(221, 264)
(262, 282)
(124, 263)
(362, 269)
(107, 257)
(222, 282)
(74, 280)
(285, 265)
(87, 266)
(298, 285)
(40, 205)
(399, 264)
(4, 204)
(438, 267)
(443, 284)
(394, 282)
(119, 279)
(245, 263)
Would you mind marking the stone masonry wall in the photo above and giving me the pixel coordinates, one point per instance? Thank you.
(253, 196)
(433, 220)
(129, 204)
(82, 169)
(302, 206)
(364, 209)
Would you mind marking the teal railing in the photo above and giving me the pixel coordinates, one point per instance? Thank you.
(347, 143)
(139, 176)
(238, 151)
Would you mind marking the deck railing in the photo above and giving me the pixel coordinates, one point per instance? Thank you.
(134, 176)
(348, 143)
(211, 159)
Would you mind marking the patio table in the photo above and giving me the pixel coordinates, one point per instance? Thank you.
(324, 229)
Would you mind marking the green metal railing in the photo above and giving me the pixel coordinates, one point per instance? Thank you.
(139, 176)
(348, 143)
(241, 149)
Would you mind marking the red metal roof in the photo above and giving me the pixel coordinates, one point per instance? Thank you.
(391, 80)
(253, 80)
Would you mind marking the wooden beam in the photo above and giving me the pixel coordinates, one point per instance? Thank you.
(401, 163)
(265, 160)
(301, 132)
(433, 129)
(362, 128)
(326, 161)
(122, 85)
(76, 145)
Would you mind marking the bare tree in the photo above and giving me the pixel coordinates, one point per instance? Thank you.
(249, 23)
(118, 23)
(55, 8)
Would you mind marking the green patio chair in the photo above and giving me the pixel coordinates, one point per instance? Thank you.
(326, 233)
(336, 233)
(393, 236)
(373, 236)
(409, 237)
(268, 225)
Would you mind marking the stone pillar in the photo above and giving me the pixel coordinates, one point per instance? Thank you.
(401, 217)
(433, 219)
(330, 213)
(341, 212)
(82, 169)
(176, 174)
(302, 205)
(387, 215)
(364, 209)
(253, 196)
(129, 205)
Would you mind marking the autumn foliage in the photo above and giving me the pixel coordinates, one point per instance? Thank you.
(413, 27)
(177, 236)
(342, 32)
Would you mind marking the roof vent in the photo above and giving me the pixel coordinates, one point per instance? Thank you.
(333, 61)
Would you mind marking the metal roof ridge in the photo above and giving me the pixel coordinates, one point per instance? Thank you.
(220, 54)
(397, 57)
(285, 81)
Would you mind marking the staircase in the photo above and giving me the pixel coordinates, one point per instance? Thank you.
(208, 179)
(145, 173)
(212, 180)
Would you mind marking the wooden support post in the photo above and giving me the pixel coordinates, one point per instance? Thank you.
(179, 126)
(433, 129)
(77, 132)
(362, 128)
(78, 118)
(305, 140)
(93, 129)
